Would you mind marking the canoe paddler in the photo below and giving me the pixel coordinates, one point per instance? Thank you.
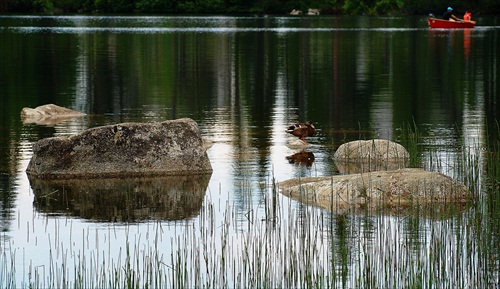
(467, 16)
(449, 15)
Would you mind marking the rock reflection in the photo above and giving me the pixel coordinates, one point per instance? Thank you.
(120, 200)
(303, 158)
(47, 120)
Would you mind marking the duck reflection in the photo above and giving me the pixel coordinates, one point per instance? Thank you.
(120, 200)
(303, 157)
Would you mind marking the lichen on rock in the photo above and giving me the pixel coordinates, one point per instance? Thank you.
(370, 155)
(123, 150)
(404, 187)
(48, 114)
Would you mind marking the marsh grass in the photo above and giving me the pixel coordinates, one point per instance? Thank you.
(409, 137)
(279, 243)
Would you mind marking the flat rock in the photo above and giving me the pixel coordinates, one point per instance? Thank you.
(298, 144)
(311, 11)
(172, 147)
(48, 114)
(404, 187)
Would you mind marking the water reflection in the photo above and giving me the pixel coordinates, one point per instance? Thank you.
(303, 157)
(47, 120)
(119, 200)
(243, 79)
(7, 203)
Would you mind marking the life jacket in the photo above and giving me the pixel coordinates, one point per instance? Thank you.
(467, 16)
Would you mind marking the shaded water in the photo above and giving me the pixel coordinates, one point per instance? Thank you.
(244, 80)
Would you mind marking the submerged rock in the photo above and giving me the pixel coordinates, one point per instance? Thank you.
(48, 114)
(123, 150)
(370, 155)
(298, 144)
(404, 187)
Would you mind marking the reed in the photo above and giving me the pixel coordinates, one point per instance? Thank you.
(278, 242)
(410, 138)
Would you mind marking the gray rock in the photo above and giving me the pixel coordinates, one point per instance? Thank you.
(311, 11)
(404, 187)
(370, 155)
(298, 144)
(123, 150)
(48, 114)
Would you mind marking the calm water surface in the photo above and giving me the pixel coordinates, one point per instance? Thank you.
(244, 80)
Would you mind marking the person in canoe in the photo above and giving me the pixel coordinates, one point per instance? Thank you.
(449, 15)
(467, 16)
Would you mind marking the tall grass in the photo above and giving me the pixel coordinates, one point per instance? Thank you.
(278, 243)
(410, 139)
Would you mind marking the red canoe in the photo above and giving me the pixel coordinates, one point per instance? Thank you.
(440, 23)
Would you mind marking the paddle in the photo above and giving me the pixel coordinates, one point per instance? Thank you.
(468, 21)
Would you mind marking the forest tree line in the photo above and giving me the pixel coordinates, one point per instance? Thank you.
(345, 7)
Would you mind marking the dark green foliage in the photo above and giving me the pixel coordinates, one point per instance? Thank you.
(114, 6)
(71, 6)
(271, 7)
(200, 6)
(352, 7)
(42, 5)
(22, 6)
(385, 7)
(152, 6)
(357, 7)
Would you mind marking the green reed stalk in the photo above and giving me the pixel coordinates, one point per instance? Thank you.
(283, 243)
(410, 139)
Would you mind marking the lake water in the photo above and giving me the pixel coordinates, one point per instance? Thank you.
(244, 80)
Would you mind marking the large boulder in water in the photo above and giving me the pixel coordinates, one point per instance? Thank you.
(123, 150)
(370, 155)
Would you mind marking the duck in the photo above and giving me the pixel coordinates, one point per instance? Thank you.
(302, 130)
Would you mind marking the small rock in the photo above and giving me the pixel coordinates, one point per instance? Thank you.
(298, 144)
(48, 114)
(370, 155)
(311, 11)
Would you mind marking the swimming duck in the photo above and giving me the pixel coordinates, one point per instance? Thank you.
(302, 130)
